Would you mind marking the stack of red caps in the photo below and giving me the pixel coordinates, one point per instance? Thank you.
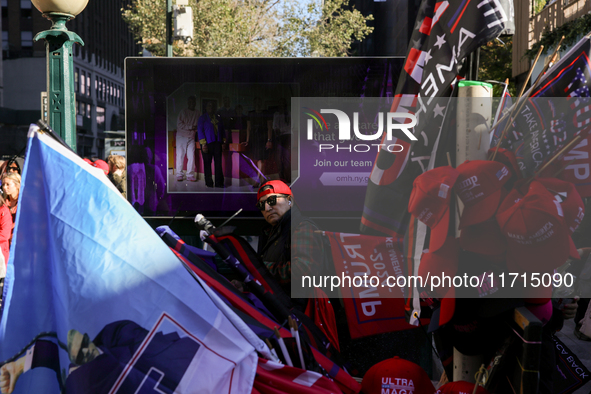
(430, 199)
(534, 225)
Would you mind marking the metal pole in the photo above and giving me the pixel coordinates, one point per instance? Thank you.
(168, 28)
(60, 76)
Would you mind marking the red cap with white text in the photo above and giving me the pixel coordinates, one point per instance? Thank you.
(480, 187)
(396, 375)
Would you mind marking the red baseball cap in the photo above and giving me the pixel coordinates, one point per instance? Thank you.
(102, 165)
(441, 262)
(88, 161)
(460, 387)
(572, 206)
(430, 199)
(508, 158)
(396, 375)
(480, 187)
(277, 187)
(484, 238)
(542, 311)
(534, 226)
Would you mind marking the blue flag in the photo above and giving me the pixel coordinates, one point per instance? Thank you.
(95, 302)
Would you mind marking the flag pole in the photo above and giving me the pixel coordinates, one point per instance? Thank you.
(531, 70)
(563, 168)
(272, 351)
(296, 334)
(283, 348)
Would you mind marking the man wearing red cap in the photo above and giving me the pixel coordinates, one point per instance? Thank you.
(275, 201)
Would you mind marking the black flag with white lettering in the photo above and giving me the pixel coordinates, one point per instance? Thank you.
(445, 33)
(556, 112)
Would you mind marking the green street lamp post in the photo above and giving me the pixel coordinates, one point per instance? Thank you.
(60, 70)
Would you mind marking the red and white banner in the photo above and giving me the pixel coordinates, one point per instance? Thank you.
(363, 265)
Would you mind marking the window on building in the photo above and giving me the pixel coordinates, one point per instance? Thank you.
(83, 82)
(4, 40)
(81, 109)
(88, 85)
(100, 118)
(26, 39)
(26, 9)
(88, 111)
(76, 79)
(4, 4)
(99, 89)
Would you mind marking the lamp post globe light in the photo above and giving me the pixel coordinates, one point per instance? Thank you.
(60, 68)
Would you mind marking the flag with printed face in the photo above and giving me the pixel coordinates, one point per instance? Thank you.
(95, 302)
(556, 112)
(445, 33)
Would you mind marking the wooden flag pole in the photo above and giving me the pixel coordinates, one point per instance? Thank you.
(563, 168)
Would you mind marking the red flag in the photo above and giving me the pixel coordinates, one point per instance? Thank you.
(376, 306)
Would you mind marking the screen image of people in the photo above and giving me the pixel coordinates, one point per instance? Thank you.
(228, 136)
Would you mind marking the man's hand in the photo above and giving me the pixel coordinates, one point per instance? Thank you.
(570, 310)
(204, 148)
(269, 145)
(9, 374)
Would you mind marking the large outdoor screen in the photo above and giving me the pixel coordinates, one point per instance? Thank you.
(248, 114)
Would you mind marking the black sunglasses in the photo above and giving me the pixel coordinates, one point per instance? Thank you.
(272, 200)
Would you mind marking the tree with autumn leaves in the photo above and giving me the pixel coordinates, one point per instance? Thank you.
(253, 28)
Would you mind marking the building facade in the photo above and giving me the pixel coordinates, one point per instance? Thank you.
(98, 69)
(530, 24)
